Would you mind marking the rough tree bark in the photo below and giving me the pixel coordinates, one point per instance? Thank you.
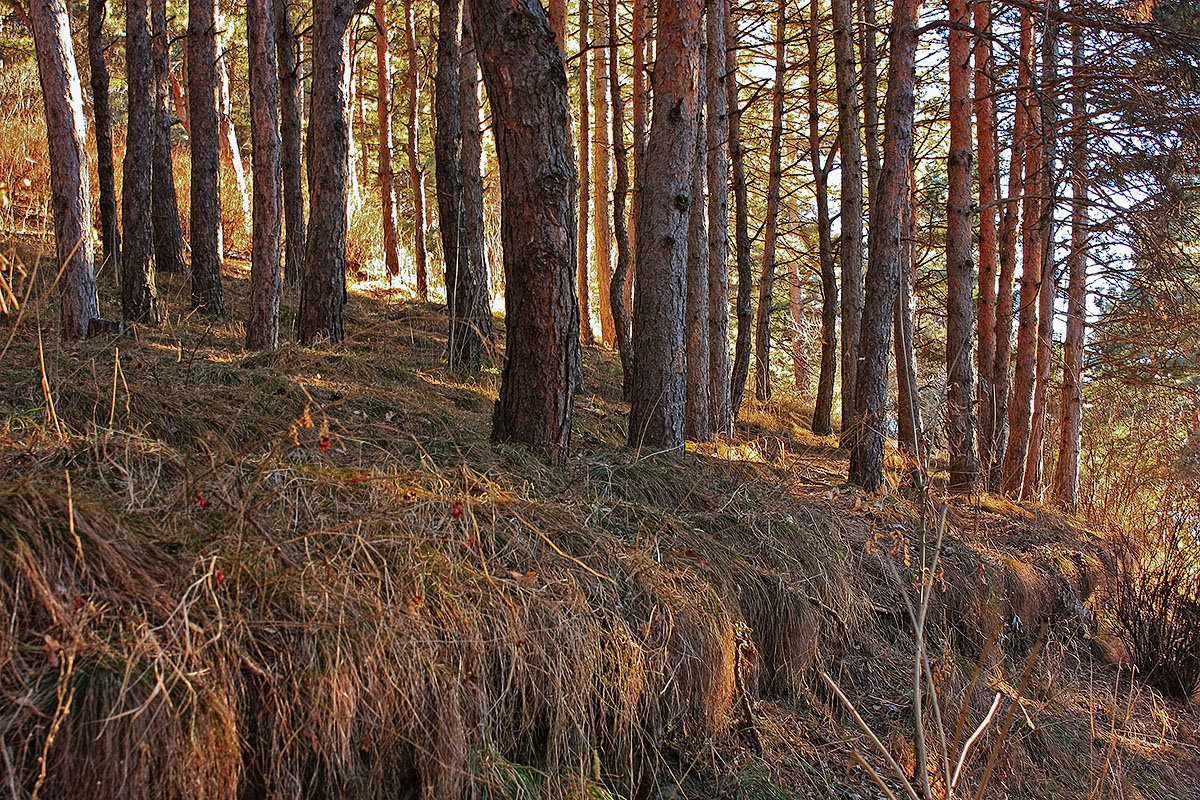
(291, 152)
(602, 223)
(447, 141)
(851, 202)
(323, 288)
(766, 281)
(908, 399)
(164, 205)
(110, 228)
(383, 114)
(638, 102)
(886, 249)
(139, 294)
(697, 409)
(960, 266)
(616, 289)
(585, 176)
(717, 165)
(989, 177)
(207, 294)
(527, 89)
(823, 406)
(266, 280)
(657, 409)
(416, 179)
(62, 97)
(744, 303)
(870, 91)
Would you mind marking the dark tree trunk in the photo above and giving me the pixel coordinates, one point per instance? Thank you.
(139, 294)
(823, 407)
(323, 289)
(262, 322)
(62, 97)
(886, 249)
(657, 409)
(851, 203)
(168, 234)
(744, 303)
(698, 411)
(989, 177)
(766, 282)
(292, 150)
(527, 89)
(416, 179)
(110, 228)
(907, 397)
(638, 101)
(960, 267)
(870, 91)
(617, 288)
(383, 113)
(717, 164)
(585, 175)
(207, 294)
(447, 141)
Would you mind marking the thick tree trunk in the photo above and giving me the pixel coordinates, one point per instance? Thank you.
(416, 179)
(323, 288)
(527, 89)
(698, 410)
(1066, 470)
(139, 294)
(1032, 484)
(886, 248)
(292, 149)
(1007, 246)
(164, 205)
(110, 228)
(657, 409)
(266, 280)
(717, 165)
(744, 303)
(851, 203)
(960, 266)
(989, 177)
(62, 98)
(823, 406)
(585, 176)
(383, 114)
(601, 166)
(616, 289)
(207, 293)
(447, 142)
(908, 399)
(766, 281)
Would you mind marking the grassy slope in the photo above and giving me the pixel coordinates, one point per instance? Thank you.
(307, 574)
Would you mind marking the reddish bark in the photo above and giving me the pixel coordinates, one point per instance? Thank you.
(266, 279)
(717, 165)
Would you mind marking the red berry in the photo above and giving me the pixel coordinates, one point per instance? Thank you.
(78, 602)
(324, 441)
(201, 500)
(220, 576)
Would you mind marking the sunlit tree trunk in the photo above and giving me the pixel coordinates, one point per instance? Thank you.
(823, 406)
(585, 176)
(291, 148)
(139, 294)
(164, 205)
(989, 177)
(110, 228)
(416, 177)
(207, 295)
(717, 165)
(744, 303)
(266, 280)
(527, 89)
(867, 428)
(657, 405)
(601, 167)
(617, 298)
(323, 288)
(766, 281)
(229, 142)
(698, 411)
(383, 113)
(62, 99)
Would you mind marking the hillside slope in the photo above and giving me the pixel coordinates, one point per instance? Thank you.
(308, 574)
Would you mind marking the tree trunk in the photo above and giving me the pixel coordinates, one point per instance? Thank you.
(744, 303)
(262, 322)
(870, 81)
(1032, 484)
(766, 282)
(585, 176)
(698, 411)
(985, 121)
(851, 203)
(164, 205)
(527, 89)
(823, 406)
(601, 185)
(960, 266)
(66, 132)
(1066, 470)
(908, 399)
(323, 288)
(657, 410)
(139, 294)
(291, 151)
(638, 100)
(867, 427)
(229, 142)
(205, 228)
(447, 142)
(799, 341)
(416, 179)
(620, 276)
(110, 229)
(383, 112)
(470, 317)
(1008, 257)
(179, 92)
(717, 164)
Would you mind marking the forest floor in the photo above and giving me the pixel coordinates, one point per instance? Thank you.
(307, 573)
